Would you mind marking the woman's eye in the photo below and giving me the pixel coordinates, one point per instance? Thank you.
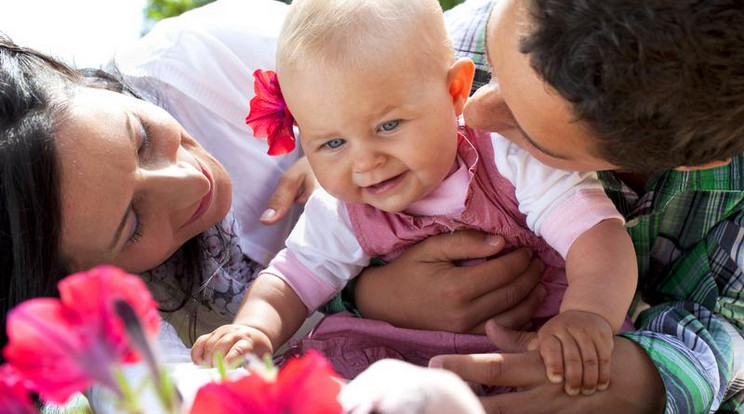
(146, 136)
(389, 125)
(334, 143)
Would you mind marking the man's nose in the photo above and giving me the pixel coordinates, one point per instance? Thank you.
(487, 110)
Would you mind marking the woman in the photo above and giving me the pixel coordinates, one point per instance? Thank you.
(111, 178)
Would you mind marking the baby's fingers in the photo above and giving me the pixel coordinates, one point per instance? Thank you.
(552, 355)
(590, 365)
(236, 354)
(604, 353)
(572, 365)
(197, 351)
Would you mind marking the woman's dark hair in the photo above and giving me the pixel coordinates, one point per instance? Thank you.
(659, 83)
(34, 94)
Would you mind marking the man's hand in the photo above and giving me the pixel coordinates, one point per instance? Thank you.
(635, 387)
(295, 186)
(450, 297)
(234, 341)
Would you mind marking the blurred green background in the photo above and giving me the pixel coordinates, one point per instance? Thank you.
(160, 9)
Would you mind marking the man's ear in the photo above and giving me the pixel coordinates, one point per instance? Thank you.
(460, 80)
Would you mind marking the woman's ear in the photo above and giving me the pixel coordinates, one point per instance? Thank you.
(460, 80)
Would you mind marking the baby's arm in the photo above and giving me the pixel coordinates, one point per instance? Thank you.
(602, 274)
(269, 315)
(572, 213)
(322, 255)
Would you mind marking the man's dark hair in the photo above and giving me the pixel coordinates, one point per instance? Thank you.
(659, 83)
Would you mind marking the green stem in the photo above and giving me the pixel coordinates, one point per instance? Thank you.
(130, 403)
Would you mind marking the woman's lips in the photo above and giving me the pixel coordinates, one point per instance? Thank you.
(206, 201)
(386, 185)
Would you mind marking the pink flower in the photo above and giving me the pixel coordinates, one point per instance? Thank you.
(61, 346)
(14, 398)
(269, 116)
(305, 385)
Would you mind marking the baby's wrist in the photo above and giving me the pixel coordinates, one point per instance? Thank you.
(592, 314)
(261, 341)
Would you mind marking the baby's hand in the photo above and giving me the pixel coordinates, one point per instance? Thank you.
(577, 346)
(234, 341)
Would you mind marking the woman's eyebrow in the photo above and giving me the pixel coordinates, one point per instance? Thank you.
(123, 222)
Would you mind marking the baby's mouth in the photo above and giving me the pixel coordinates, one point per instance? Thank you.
(385, 185)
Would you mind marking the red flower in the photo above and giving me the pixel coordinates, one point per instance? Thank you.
(269, 116)
(305, 385)
(14, 398)
(61, 346)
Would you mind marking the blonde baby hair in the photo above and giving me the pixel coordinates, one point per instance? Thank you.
(359, 33)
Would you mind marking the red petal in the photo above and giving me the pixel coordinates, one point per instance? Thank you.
(248, 394)
(309, 385)
(89, 297)
(269, 116)
(45, 349)
(62, 346)
(14, 398)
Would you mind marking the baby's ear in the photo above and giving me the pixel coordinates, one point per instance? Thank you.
(460, 80)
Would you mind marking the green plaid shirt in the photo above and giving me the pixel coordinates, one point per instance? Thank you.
(688, 232)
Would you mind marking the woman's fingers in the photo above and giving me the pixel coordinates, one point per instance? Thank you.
(295, 186)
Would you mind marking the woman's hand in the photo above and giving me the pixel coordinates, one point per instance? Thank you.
(295, 186)
(425, 289)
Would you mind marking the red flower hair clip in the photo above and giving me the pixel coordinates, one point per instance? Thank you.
(269, 116)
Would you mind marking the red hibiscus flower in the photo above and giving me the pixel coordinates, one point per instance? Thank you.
(14, 398)
(269, 116)
(61, 346)
(305, 385)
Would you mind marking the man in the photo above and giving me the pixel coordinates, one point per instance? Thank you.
(653, 86)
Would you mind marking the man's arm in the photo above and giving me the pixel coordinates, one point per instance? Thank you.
(635, 387)
(697, 344)
(685, 357)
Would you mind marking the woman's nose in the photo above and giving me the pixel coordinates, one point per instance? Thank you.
(487, 110)
(177, 185)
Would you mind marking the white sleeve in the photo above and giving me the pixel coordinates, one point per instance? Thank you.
(322, 252)
(559, 205)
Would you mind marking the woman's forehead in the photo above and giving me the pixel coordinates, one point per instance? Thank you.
(96, 160)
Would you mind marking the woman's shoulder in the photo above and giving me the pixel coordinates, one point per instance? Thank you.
(225, 32)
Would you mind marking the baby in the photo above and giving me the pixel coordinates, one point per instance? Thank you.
(376, 94)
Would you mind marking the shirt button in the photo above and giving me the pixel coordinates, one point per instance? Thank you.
(633, 222)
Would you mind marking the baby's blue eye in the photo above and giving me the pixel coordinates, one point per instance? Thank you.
(389, 125)
(335, 143)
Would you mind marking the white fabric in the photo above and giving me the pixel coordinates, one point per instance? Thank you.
(539, 189)
(174, 355)
(201, 65)
(388, 386)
